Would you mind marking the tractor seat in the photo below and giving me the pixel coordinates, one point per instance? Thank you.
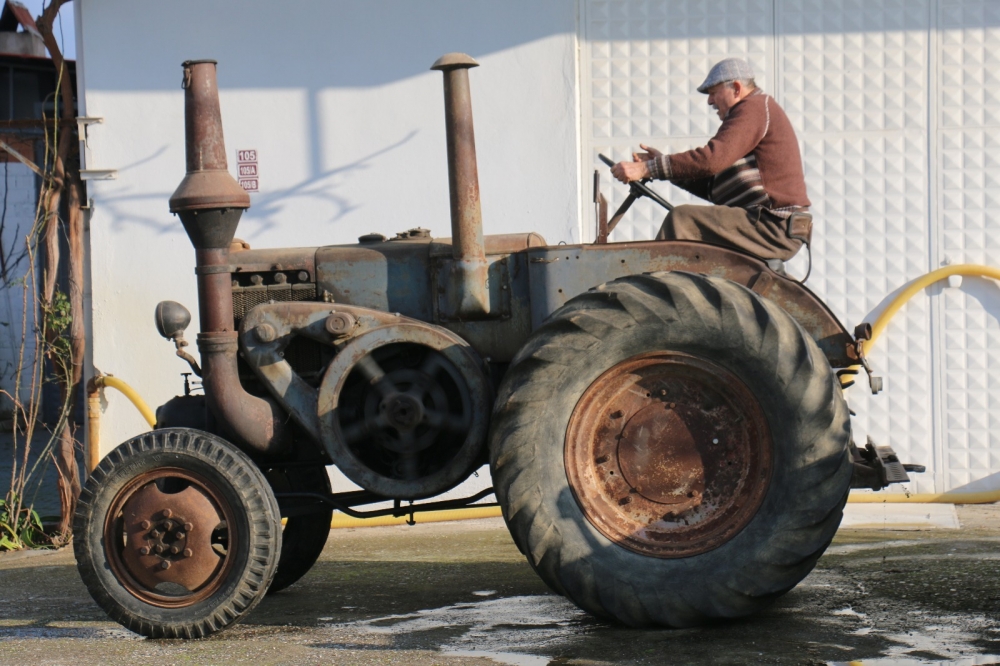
(799, 226)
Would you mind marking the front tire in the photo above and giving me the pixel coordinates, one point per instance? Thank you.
(177, 534)
(671, 448)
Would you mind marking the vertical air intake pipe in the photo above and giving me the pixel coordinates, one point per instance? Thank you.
(468, 295)
(210, 202)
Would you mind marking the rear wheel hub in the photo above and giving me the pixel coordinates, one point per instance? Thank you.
(668, 454)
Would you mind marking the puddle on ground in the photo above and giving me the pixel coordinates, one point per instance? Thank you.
(506, 630)
(923, 638)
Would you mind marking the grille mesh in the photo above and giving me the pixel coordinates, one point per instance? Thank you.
(246, 299)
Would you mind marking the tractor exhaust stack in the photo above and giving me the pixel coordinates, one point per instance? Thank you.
(468, 295)
(210, 203)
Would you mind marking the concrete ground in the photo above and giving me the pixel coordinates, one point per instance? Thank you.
(460, 593)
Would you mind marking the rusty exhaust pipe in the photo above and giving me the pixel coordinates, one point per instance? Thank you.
(210, 203)
(468, 295)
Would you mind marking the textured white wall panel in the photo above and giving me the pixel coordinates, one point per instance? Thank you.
(853, 78)
(967, 137)
(642, 61)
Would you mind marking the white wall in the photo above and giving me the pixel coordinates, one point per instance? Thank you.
(349, 125)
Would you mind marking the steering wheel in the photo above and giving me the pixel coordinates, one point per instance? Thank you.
(637, 188)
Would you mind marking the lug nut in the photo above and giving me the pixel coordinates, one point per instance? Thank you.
(188, 527)
(167, 513)
(168, 525)
(159, 549)
(156, 534)
(175, 549)
(179, 535)
(146, 524)
(165, 564)
(144, 550)
(188, 552)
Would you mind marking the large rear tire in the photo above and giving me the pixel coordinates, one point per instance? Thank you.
(177, 534)
(671, 448)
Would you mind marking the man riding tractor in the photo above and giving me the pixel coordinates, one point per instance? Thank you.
(750, 170)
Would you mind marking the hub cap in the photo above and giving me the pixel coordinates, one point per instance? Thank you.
(668, 454)
(167, 537)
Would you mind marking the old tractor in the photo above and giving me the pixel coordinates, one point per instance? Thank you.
(664, 423)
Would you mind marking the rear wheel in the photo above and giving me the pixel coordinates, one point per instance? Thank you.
(670, 448)
(177, 534)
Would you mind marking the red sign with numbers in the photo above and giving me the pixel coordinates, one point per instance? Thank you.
(246, 168)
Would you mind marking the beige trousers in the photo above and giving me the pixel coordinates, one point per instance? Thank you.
(762, 235)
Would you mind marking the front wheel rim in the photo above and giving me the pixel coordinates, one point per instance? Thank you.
(668, 455)
(169, 537)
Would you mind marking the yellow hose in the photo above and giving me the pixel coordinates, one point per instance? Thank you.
(94, 413)
(912, 289)
(128, 392)
(921, 283)
(341, 520)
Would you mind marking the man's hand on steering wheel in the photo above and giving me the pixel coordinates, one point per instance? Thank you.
(626, 172)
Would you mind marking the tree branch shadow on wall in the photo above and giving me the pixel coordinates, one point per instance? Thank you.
(267, 207)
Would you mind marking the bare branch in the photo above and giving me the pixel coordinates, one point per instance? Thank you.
(22, 159)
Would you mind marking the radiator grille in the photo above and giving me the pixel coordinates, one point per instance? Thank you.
(246, 299)
(304, 355)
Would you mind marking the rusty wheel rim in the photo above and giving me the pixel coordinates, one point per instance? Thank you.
(668, 455)
(168, 537)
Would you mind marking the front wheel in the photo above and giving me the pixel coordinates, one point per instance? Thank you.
(177, 534)
(670, 448)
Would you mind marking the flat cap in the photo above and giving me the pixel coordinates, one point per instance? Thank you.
(730, 69)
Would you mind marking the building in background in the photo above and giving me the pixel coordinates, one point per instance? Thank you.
(27, 88)
(895, 104)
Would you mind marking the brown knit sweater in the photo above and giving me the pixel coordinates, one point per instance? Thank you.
(752, 162)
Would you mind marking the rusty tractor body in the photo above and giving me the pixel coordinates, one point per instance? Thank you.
(649, 409)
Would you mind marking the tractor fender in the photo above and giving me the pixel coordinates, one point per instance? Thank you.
(558, 273)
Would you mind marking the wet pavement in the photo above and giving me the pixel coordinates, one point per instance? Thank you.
(461, 593)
